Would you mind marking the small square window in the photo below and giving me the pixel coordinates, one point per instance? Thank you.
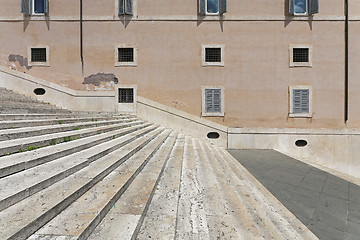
(213, 101)
(300, 55)
(213, 55)
(300, 101)
(35, 7)
(126, 95)
(125, 55)
(303, 7)
(38, 55)
(126, 7)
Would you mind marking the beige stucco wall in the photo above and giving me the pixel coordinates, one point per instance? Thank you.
(168, 37)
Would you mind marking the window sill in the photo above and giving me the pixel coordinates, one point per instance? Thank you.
(213, 114)
(209, 64)
(300, 115)
(125, 64)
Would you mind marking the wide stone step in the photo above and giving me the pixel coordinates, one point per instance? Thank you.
(9, 134)
(20, 221)
(10, 104)
(13, 190)
(24, 110)
(26, 160)
(25, 144)
(12, 124)
(103, 196)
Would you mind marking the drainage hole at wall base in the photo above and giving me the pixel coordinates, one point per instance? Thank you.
(39, 91)
(213, 135)
(301, 143)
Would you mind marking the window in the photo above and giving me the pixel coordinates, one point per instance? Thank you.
(212, 101)
(38, 55)
(213, 55)
(125, 55)
(300, 55)
(212, 7)
(35, 7)
(303, 7)
(126, 95)
(125, 7)
(300, 101)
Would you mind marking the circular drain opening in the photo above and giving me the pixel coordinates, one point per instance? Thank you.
(213, 135)
(39, 91)
(301, 143)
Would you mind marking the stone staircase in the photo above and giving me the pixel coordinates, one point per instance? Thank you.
(67, 175)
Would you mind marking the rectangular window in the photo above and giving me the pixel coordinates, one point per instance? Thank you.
(35, 7)
(300, 55)
(126, 54)
(212, 7)
(126, 95)
(213, 101)
(125, 7)
(38, 55)
(213, 55)
(300, 101)
(303, 7)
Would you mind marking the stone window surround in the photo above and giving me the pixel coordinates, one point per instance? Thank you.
(212, 114)
(134, 8)
(218, 64)
(300, 64)
(126, 105)
(39, 64)
(291, 92)
(125, 64)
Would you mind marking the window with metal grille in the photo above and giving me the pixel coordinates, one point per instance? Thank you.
(300, 55)
(38, 54)
(301, 100)
(212, 54)
(213, 100)
(126, 95)
(126, 54)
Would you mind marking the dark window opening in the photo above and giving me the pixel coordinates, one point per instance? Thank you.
(213, 135)
(39, 6)
(38, 54)
(301, 143)
(300, 55)
(212, 54)
(301, 100)
(39, 91)
(126, 54)
(126, 95)
(213, 100)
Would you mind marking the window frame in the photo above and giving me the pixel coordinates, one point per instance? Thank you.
(306, 12)
(39, 64)
(300, 64)
(30, 9)
(202, 5)
(203, 55)
(125, 64)
(126, 107)
(124, 13)
(203, 100)
(292, 114)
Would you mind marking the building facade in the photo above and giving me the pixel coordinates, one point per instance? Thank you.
(280, 64)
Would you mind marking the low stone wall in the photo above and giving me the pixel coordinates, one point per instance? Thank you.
(57, 95)
(334, 149)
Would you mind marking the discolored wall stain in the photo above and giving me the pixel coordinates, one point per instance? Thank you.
(96, 79)
(23, 62)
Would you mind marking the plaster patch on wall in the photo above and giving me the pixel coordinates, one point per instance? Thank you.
(96, 79)
(23, 62)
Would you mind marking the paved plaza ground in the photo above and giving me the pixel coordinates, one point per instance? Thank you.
(328, 205)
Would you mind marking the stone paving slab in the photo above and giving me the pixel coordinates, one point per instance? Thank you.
(328, 205)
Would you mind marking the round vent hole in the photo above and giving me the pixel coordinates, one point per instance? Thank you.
(39, 91)
(301, 143)
(213, 135)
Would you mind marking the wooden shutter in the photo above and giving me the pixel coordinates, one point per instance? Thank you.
(222, 6)
(128, 7)
(291, 7)
(26, 6)
(301, 101)
(212, 100)
(46, 7)
(202, 7)
(313, 6)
